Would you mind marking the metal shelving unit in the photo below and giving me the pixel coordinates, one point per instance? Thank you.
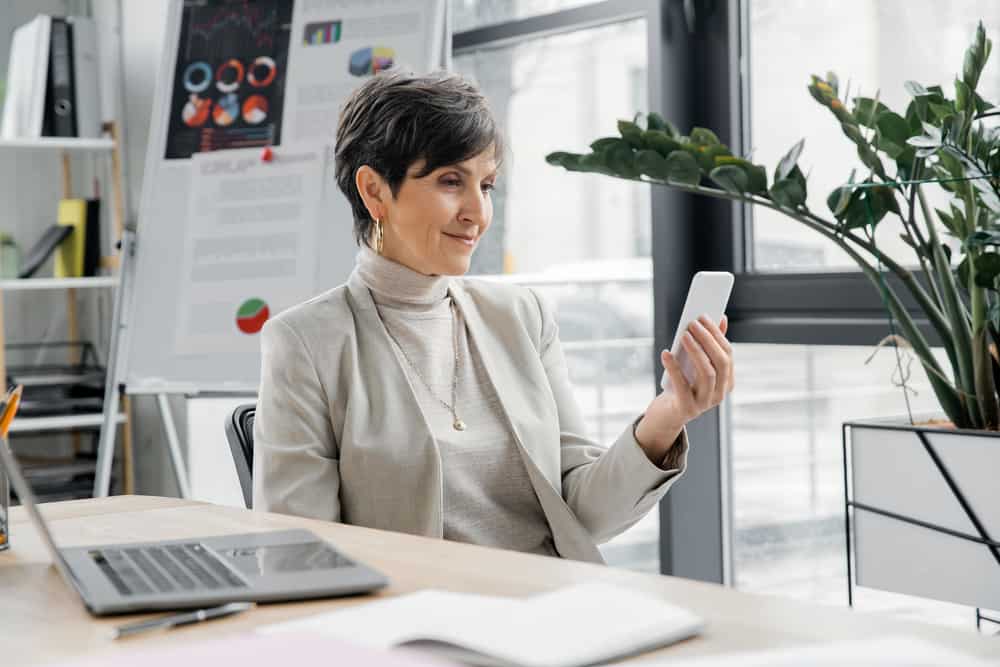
(106, 147)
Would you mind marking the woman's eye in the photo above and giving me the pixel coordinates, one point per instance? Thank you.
(488, 187)
(452, 182)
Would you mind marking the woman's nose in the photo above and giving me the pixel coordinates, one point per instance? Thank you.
(476, 206)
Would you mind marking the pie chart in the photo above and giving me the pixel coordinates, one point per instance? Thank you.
(252, 315)
(226, 110)
(195, 111)
(255, 109)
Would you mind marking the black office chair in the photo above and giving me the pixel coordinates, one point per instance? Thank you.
(239, 432)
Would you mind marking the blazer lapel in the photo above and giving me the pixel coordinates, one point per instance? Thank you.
(402, 427)
(528, 420)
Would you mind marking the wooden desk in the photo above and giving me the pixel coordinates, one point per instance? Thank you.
(41, 620)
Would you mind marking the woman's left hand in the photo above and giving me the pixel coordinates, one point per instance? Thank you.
(712, 358)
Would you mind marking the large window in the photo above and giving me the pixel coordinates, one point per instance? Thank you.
(874, 46)
(581, 240)
(788, 496)
(470, 14)
(790, 402)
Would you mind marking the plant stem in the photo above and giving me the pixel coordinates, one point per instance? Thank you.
(959, 318)
(911, 223)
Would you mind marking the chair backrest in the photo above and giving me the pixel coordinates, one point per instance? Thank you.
(239, 433)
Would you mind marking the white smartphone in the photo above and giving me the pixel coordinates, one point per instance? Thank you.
(708, 295)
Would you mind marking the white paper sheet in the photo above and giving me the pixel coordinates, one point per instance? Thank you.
(252, 230)
(573, 626)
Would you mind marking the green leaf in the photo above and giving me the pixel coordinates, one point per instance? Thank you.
(603, 143)
(703, 136)
(867, 206)
(652, 164)
(987, 269)
(660, 142)
(730, 178)
(756, 174)
(987, 195)
(892, 132)
(915, 89)
(941, 109)
(621, 160)
(562, 159)
(654, 121)
(790, 192)
(706, 155)
(948, 221)
(981, 238)
(683, 168)
(787, 193)
(594, 162)
(838, 200)
(867, 110)
(924, 141)
(758, 179)
(963, 95)
(962, 272)
(631, 133)
(789, 161)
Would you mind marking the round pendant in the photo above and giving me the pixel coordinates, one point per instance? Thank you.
(459, 424)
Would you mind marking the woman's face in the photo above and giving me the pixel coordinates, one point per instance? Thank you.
(434, 223)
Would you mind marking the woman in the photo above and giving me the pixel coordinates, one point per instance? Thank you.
(411, 400)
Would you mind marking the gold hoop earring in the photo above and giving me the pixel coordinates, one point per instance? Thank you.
(377, 235)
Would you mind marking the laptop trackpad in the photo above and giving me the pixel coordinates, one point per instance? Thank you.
(261, 560)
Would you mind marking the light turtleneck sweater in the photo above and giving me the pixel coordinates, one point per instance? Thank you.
(488, 497)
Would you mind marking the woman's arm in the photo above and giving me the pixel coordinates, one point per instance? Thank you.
(295, 458)
(608, 489)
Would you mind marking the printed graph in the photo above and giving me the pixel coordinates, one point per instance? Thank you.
(324, 32)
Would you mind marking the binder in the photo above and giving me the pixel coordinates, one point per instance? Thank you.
(92, 238)
(69, 254)
(86, 87)
(60, 105)
(24, 104)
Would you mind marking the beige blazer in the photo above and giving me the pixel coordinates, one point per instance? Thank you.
(339, 433)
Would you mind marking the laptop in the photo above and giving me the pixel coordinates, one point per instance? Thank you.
(181, 574)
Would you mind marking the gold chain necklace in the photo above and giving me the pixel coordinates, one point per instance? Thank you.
(456, 423)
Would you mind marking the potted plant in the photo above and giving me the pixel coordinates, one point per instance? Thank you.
(926, 516)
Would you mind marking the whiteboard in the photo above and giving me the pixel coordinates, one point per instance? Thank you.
(234, 77)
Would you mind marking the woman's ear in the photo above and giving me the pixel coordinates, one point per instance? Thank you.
(372, 187)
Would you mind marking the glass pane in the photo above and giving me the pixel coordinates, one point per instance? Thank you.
(876, 45)
(468, 14)
(582, 240)
(788, 495)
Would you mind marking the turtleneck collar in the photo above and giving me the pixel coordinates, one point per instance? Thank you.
(393, 283)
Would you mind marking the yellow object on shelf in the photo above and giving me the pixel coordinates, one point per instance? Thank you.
(69, 254)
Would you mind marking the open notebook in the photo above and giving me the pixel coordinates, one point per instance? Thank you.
(571, 627)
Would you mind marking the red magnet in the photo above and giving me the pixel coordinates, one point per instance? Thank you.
(267, 154)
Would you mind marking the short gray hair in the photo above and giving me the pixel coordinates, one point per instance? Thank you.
(398, 118)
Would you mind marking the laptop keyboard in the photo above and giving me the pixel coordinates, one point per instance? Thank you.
(165, 569)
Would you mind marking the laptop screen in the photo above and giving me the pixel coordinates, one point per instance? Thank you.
(27, 498)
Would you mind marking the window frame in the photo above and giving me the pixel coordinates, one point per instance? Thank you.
(699, 74)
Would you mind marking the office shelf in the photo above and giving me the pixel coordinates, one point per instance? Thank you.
(57, 283)
(59, 143)
(60, 422)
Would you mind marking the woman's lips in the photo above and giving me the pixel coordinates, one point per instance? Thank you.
(462, 239)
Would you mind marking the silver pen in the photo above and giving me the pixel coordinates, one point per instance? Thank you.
(183, 618)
